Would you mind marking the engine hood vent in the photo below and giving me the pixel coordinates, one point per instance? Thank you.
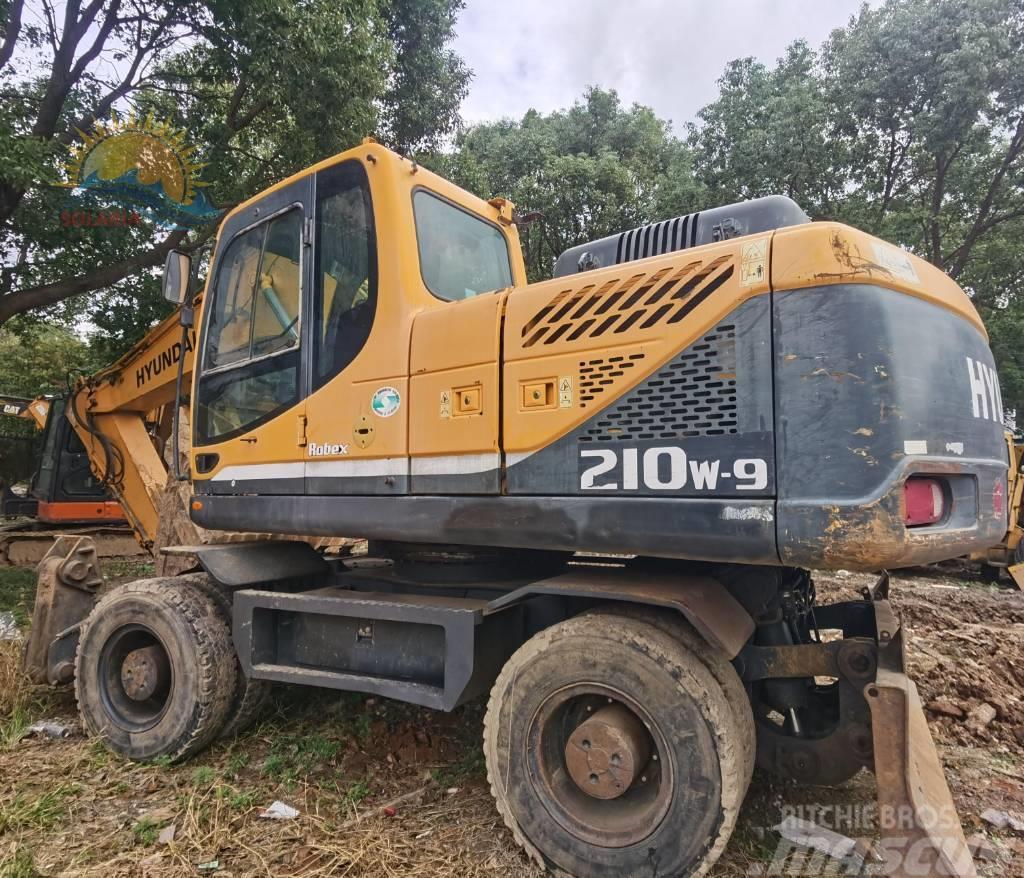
(691, 230)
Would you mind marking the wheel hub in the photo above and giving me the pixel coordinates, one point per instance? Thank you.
(144, 672)
(607, 751)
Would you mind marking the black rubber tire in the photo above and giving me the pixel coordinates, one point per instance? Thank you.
(252, 697)
(685, 702)
(990, 573)
(714, 660)
(191, 629)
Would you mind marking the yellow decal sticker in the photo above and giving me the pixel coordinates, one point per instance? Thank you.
(565, 392)
(752, 262)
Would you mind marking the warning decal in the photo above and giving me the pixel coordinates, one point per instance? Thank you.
(753, 255)
(565, 392)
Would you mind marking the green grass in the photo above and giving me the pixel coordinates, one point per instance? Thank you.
(203, 776)
(293, 757)
(357, 792)
(18, 863)
(238, 800)
(146, 832)
(15, 725)
(17, 590)
(127, 569)
(44, 812)
(469, 767)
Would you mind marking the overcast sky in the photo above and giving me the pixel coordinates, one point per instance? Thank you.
(667, 54)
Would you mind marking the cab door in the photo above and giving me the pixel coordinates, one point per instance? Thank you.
(250, 411)
(359, 338)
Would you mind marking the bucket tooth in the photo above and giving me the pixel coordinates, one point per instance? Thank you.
(921, 835)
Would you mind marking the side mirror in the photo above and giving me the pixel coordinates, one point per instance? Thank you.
(177, 270)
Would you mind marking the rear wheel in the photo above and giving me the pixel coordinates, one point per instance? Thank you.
(252, 697)
(155, 670)
(715, 661)
(612, 750)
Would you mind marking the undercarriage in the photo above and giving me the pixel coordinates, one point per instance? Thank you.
(809, 693)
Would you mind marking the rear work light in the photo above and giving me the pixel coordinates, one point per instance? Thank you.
(924, 501)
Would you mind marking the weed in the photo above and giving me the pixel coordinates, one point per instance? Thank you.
(13, 728)
(146, 832)
(364, 725)
(127, 569)
(164, 762)
(42, 813)
(357, 792)
(203, 776)
(470, 766)
(238, 800)
(17, 586)
(236, 762)
(274, 765)
(18, 863)
(296, 756)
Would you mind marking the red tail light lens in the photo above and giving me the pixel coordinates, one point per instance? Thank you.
(924, 502)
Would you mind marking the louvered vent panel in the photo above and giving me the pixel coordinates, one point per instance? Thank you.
(597, 376)
(657, 238)
(643, 300)
(694, 395)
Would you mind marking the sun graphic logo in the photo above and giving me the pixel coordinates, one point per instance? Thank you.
(143, 166)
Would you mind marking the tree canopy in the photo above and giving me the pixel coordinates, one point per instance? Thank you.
(907, 122)
(260, 88)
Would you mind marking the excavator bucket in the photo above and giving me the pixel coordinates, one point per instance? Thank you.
(921, 835)
(69, 578)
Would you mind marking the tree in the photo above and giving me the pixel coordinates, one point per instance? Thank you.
(909, 123)
(591, 170)
(262, 88)
(770, 132)
(42, 360)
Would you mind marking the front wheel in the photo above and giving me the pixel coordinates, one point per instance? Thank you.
(155, 670)
(612, 750)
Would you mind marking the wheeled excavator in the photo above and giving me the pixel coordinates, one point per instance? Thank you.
(598, 498)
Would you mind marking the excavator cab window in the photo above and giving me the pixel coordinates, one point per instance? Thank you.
(346, 268)
(251, 359)
(461, 255)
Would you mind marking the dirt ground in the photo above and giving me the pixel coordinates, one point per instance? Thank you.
(385, 789)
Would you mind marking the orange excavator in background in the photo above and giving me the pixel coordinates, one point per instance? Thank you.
(105, 439)
(63, 489)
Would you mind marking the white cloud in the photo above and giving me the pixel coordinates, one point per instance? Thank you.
(666, 54)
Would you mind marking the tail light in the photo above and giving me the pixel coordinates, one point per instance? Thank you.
(924, 502)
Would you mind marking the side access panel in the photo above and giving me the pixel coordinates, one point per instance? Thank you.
(429, 650)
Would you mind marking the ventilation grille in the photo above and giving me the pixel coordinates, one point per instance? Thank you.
(642, 301)
(657, 238)
(694, 395)
(596, 376)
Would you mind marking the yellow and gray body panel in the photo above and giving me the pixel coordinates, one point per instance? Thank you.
(757, 399)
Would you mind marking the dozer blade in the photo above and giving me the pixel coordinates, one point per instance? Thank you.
(920, 829)
(66, 589)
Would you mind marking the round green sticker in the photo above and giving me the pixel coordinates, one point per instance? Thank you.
(385, 402)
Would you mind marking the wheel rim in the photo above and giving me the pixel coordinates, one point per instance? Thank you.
(600, 765)
(135, 678)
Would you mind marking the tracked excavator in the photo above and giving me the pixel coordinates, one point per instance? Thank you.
(597, 498)
(64, 496)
